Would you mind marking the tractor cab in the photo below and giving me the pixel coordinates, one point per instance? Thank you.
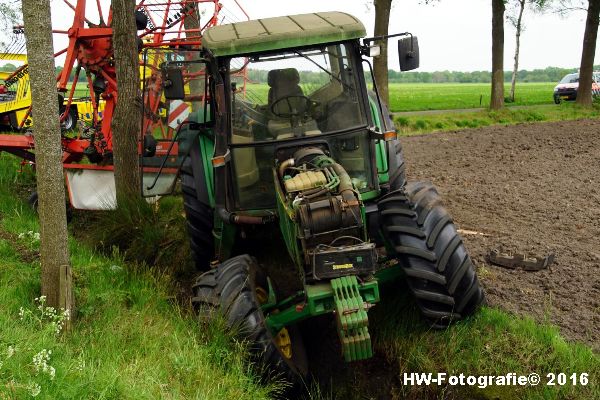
(310, 91)
(313, 96)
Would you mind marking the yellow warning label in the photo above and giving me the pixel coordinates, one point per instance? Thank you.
(342, 266)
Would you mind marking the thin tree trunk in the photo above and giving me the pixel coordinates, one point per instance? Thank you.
(584, 91)
(127, 118)
(497, 100)
(54, 253)
(513, 80)
(380, 63)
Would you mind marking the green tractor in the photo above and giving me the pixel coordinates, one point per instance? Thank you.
(295, 194)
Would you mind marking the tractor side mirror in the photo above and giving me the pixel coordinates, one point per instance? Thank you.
(174, 88)
(408, 53)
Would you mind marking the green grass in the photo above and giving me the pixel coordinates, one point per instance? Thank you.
(81, 90)
(446, 96)
(490, 343)
(158, 236)
(257, 92)
(130, 340)
(418, 124)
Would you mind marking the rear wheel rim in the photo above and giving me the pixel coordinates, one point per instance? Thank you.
(282, 339)
(67, 124)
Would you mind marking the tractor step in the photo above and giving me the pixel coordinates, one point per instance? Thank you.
(352, 320)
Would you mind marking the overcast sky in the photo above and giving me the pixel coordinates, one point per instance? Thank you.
(456, 34)
(453, 34)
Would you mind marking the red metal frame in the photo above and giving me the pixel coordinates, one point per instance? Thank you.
(90, 48)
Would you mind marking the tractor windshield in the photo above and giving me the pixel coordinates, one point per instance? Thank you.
(297, 93)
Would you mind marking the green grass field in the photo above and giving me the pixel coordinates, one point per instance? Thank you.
(81, 90)
(445, 96)
(426, 96)
(419, 124)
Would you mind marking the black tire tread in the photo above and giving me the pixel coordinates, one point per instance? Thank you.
(199, 223)
(398, 176)
(438, 269)
(230, 288)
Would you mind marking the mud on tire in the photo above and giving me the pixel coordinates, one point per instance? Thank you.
(423, 238)
(232, 289)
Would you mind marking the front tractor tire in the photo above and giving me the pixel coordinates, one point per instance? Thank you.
(438, 269)
(236, 289)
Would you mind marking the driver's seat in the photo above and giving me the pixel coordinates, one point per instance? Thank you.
(284, 83)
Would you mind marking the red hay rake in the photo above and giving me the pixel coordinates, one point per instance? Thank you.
(89, 58)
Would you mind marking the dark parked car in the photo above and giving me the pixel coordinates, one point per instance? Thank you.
(567, 87)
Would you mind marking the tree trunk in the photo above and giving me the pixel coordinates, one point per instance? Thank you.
(513, 81)
(380, 63)
(127, 118)
(54, 253)
(497, 100)
(584, 91)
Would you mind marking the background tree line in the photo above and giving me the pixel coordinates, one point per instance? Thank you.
(548, 74)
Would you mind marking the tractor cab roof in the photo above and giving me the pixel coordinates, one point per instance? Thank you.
(281, 32)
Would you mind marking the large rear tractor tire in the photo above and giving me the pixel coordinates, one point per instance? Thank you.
(237, 288)
(33, 203)
(199, 221)
(438, 268)
(398, 174)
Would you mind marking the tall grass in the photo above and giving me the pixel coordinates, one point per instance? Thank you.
(129, 339)
(150, 234)
(492, 342)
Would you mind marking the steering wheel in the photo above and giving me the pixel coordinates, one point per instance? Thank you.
(293, 112)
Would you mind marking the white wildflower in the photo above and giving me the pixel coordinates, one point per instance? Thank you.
(10, 351)
(40, 363)
(80, 364)
(36, 236)
(115, 268)
(51, 371)
(21, 235)
(34, 389)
